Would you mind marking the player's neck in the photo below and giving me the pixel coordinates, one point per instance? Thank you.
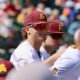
(34, 44)
(48, 49)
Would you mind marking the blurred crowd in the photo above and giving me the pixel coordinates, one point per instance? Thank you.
(12, 13)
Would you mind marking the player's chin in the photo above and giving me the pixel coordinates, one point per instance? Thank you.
(42, 39)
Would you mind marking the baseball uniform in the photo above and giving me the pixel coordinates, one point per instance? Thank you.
(67, 67)
(44, 54)
(24, 53)
(34, 23)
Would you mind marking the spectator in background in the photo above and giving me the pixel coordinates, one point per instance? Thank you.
(2, 4)
(10, 41)
(70, 4)
(5, 24)
(40, 7)
(23, 13)
(13, 9)
(76, 24)
(48, 3)
(59, 4)
(54, 14)
(77, 5)
(64, 18)
(47, 11)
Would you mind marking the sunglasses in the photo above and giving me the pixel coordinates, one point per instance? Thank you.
(56, 36)
(40, 27)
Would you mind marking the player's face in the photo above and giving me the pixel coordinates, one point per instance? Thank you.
(39, 32)
(53, 40)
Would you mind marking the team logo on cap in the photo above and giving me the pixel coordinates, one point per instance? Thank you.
(3, 68)
(42, 16)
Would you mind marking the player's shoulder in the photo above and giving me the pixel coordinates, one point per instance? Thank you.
(22, 49)
(23, 46)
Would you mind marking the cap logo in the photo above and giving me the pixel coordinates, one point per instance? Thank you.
(42, 16)
(3, 68)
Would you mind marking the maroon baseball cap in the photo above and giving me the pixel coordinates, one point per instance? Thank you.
(35, 17)
(5, 67)
(55, 27)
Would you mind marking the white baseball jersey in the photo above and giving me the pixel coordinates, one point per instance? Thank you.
(67, 67)
(24, 53)
(44, 54)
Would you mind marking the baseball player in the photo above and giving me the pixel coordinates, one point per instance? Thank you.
(67, 67)
(34, 32)
(52, 40)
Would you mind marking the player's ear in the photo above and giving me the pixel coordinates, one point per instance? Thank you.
(24, 33)
(27, 31)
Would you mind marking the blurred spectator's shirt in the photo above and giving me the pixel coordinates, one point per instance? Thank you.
(77, 6)
(44, 54)
(65, 20)
(73, 27)
(24, 53)
(67, 67)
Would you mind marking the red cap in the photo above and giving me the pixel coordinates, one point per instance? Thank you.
(55, 27)
(5, 67)
(35, 17)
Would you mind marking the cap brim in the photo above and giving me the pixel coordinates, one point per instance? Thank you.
(56, 32)
(40, 22)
